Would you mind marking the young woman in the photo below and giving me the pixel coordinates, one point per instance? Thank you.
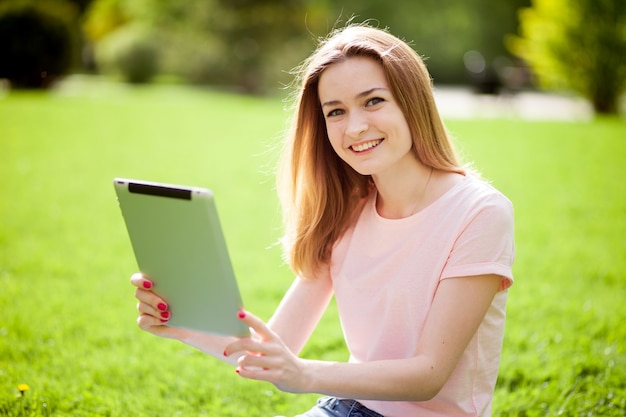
(380, 213)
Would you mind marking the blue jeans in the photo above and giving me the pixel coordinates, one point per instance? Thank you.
(333, 407)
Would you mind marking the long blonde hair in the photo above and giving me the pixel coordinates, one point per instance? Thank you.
(320, 194)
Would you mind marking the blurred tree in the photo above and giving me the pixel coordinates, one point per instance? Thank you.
(102, 18)
(265, 37)
(131, 52)
(242, 43)
(81, 5)
(119, 43)
(252, 44)
(39, 41)
(578, 45)
(443, 31)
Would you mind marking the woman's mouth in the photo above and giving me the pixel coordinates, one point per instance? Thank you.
(365, 146)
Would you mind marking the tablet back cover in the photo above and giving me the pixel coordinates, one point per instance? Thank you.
(178, 243)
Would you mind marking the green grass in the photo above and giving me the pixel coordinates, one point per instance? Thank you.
(67, 324)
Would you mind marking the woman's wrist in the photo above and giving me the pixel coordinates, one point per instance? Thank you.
(314, 375)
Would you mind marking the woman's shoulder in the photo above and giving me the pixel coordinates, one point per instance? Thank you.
(477, 189)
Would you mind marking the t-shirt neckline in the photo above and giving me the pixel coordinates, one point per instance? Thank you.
(421, 213)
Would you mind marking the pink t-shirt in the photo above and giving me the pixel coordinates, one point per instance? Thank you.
(385, 273)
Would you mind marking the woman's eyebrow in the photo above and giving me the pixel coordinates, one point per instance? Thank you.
(360, 95)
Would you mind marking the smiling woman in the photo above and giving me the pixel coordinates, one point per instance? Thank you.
(379, 212)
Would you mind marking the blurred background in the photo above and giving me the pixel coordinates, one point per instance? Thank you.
(571, 46)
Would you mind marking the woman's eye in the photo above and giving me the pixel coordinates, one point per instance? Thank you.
(335, 112)
(374, 101)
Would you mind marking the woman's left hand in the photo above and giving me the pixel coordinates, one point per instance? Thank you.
(265, 357)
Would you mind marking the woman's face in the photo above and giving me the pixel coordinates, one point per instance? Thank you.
(365, 125)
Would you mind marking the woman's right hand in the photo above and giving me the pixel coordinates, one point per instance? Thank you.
(153, 311)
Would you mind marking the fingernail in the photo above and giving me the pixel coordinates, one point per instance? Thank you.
(162, 306)
(225, 353)
(241, 314)
(164, 320)
(165, 314)
(147, 285)
(237, 370)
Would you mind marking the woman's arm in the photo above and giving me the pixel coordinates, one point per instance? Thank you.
(300, 311)
(458, 308)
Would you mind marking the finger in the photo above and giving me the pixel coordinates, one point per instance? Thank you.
(152, 299)
(149, 322)
(259, 374)
(256, 324)
(259, 361)
(147, 309)
(254, 343)
(141, 281)
(244, 346)
(261, 368)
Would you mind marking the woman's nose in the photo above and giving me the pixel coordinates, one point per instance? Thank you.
(357, 124)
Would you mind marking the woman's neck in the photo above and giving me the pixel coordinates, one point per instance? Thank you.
(405, 191)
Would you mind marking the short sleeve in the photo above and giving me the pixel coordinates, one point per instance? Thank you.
(485, 243)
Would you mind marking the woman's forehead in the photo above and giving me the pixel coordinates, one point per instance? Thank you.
(350, 78)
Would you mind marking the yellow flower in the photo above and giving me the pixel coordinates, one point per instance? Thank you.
(22, 388)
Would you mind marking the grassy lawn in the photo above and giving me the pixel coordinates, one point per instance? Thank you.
(67, 328)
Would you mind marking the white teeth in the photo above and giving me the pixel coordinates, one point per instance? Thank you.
(367, 145)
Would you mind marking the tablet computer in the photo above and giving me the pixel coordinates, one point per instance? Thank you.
(178, 243)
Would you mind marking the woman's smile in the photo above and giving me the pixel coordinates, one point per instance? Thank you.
(366, 146)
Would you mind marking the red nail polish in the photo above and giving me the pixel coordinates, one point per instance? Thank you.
(237, 370)
(165, 314)
(241, 314)
(164, 321)
(162, 306)
(147, 285)
(225, 353)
